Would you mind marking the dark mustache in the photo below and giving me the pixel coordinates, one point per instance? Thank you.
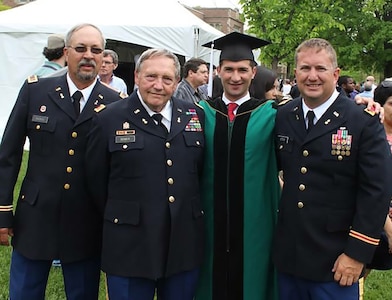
(87, 62)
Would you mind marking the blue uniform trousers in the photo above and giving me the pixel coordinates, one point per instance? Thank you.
(28, 278)
(295, 288)
(180, 286)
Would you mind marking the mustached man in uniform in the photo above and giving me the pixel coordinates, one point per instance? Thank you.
(55, 217)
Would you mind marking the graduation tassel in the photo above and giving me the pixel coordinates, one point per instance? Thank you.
(210, 75)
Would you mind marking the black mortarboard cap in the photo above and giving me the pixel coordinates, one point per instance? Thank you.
(236, 46)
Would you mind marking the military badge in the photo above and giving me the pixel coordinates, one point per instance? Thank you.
(99, 108)
(125, 125)
(194, 122)
(341, 143)
(32, 79)
(42, 108)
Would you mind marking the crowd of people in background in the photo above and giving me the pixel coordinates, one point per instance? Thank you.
(174, 189)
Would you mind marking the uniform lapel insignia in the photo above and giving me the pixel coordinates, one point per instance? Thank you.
(96, 102)
(336, 114)
(327, 121)
(145, 122)
(179, 110)
(99, 108)
(61, 95)
(42, 108)
(100, 96)
(58, 88)
(178, 120)
(125, 125)
(136, 111)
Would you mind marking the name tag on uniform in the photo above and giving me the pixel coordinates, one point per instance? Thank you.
(283, 138)
(125, 139)
(40, 119)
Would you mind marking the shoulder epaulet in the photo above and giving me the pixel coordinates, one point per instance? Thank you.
(123, 95)
(370, 112)
(283, 102)
(32, 79)
(100, 108)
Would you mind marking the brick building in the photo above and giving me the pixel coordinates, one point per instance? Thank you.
(224, 19)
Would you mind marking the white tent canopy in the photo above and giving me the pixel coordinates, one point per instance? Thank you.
(149, 23)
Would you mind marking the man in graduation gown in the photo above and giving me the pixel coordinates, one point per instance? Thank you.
(240, 189)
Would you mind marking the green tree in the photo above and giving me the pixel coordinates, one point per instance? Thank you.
(3, 7)
(287, 23)
(360, 30)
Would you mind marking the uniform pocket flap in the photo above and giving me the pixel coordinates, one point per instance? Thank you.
(122, 212)
(28, 192)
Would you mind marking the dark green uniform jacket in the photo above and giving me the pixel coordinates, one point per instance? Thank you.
(240, 195)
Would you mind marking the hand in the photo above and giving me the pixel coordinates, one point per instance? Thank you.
(347, 270)
(4, 234)
(388, 232)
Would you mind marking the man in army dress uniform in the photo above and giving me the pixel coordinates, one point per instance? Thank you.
(55, 217)
(335, 160)
(145, 157)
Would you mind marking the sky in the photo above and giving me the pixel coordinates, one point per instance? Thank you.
(211, 3)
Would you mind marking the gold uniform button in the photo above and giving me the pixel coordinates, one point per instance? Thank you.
(67, 186)
(74, 134)
(69, 169)
(38, 127)
(305, 153)
(300, 204)
(171, 199)
(301, 187)
(169, 162)
(170, 181)
(125, 146)
(167, 145)
(340, 157)
(115, 221)
(22, 197)
(71, 152)
(280, 147)
(198, 143)
(304, 170)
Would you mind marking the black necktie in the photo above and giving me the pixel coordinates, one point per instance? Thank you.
(310, 116)
(76, 102)
(158, 118)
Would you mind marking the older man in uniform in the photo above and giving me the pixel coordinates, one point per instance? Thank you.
(144, 162)
(55, 217)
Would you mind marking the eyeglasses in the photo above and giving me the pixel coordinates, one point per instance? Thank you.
(83, 49)
(104, 62)
(387, 83)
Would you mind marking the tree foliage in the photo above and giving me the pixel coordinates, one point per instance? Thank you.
(360, 30)
(3, 7)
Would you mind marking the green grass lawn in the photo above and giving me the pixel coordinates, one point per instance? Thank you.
(378, 285)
